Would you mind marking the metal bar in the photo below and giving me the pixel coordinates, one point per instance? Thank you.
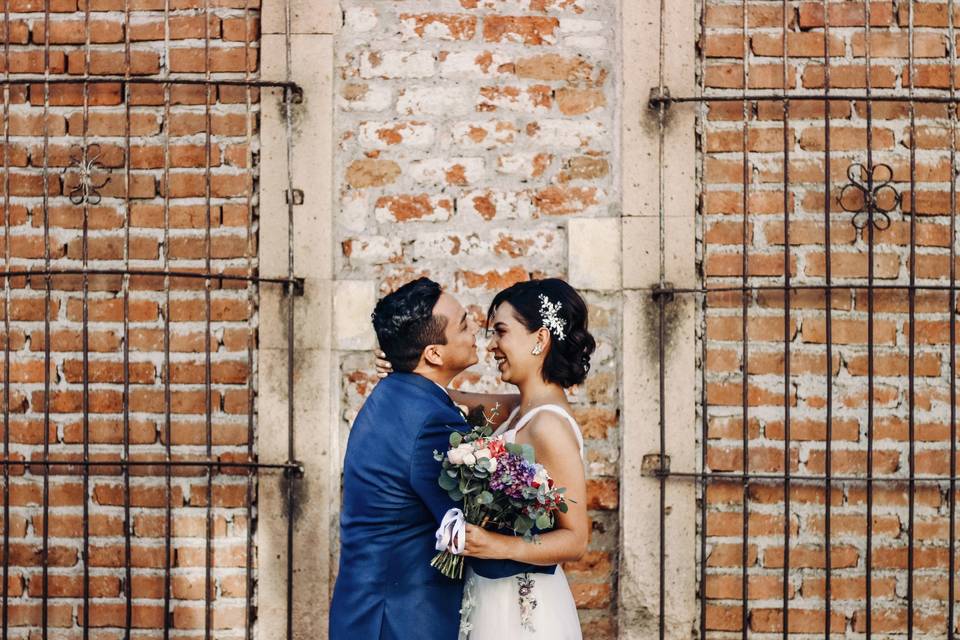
(127, 521)
(224, 464)
(820, 479)
(169, 80)
(207, 370)
(786, 333)
(291, 450)
(5, 606)
(251, 337)
(912, 303)
(45, 579)
(704, 422)
(745, 358)
(780, 97)
(828, 310)
(661, 322)
(165, 273)
(167, 373)
(951, 578)
(796, 287)
(868, 563)
(85, 340)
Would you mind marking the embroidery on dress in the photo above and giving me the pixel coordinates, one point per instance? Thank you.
(466, 610)
(528, 602)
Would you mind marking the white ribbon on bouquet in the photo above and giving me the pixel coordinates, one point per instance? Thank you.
(452, 534)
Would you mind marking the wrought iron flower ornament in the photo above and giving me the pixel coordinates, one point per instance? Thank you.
(878, 197)
(84, 166)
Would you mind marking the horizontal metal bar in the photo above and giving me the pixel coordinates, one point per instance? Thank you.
(656, 100)
(172, 80)
(295, 467)
(297, 283)
(668, 291)
(767, 477)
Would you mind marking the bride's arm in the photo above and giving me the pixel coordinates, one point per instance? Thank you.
(496, 406)
(558, 451)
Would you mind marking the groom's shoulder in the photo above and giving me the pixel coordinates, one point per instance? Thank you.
(400, 390)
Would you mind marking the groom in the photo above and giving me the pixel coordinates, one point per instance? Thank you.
(392, 502)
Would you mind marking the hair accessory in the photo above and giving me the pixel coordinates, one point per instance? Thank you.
(548, 314)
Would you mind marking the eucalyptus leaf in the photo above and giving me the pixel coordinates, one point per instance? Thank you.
(447, 483)
(485, 497)
(455, 495)
(456, 438)
(544, 522)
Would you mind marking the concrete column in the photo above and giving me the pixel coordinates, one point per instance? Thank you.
(650, 228)
(315, 390)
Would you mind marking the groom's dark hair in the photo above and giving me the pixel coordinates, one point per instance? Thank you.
(405, 323)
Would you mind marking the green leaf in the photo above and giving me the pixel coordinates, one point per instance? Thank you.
(563, 507)
(514, 448)
(456, 438)
(455, 495)
(544, 522)
(528, 453)
(447, 483)
(485, 497)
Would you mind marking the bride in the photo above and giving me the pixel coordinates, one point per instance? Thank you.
(540, 341)
(539, 338)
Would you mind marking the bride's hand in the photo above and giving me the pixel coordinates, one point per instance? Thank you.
(484, 544)
(384, 367)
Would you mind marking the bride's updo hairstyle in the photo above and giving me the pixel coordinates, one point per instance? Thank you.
(567, 360)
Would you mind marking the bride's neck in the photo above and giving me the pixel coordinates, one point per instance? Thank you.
(534, 393)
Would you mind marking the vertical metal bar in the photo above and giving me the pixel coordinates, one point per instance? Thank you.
(868, 566)
(207, 371)
(786, 332)
(745, 297)
(704, 423)
(912, 301)
(5, 612)
(85, 340)
(127, 522)
(828, 305)
(952, 109)
(167, 399)
(45, 545)
(291, 450)
(251, 333)
(661, 299)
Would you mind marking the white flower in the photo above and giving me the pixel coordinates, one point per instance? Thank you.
(455, 455)
(492, 465)
(482, 453)
(541, 477)
(469, 460)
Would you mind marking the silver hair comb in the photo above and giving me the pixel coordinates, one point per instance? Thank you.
(552, 321)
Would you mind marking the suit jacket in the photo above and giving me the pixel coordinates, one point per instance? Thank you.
(392, 505)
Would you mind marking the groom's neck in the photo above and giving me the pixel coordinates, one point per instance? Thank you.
(441, 377)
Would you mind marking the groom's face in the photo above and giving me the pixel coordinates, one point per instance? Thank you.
(460, 351)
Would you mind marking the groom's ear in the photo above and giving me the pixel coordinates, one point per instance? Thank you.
(432, 356)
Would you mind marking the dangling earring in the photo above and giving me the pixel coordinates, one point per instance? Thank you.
(537, 349)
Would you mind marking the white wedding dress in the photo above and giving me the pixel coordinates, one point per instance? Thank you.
(528, 606)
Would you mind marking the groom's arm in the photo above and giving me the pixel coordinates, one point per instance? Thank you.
(425, 471)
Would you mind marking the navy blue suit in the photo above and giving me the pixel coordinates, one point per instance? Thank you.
(392, 505)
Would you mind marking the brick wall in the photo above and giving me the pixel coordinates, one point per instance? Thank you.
(469, 132)
(159, 222)
(806, 394)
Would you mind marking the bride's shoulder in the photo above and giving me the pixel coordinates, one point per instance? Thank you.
(552, 429)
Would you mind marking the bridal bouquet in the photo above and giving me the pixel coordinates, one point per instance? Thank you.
(501, 486)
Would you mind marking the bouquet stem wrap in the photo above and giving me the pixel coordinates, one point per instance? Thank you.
(451, 540)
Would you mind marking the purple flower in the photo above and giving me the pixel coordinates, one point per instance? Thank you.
(512, 475)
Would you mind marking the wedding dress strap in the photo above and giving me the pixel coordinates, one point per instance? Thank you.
(553, 408)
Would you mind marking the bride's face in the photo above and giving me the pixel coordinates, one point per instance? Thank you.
(511, 345)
